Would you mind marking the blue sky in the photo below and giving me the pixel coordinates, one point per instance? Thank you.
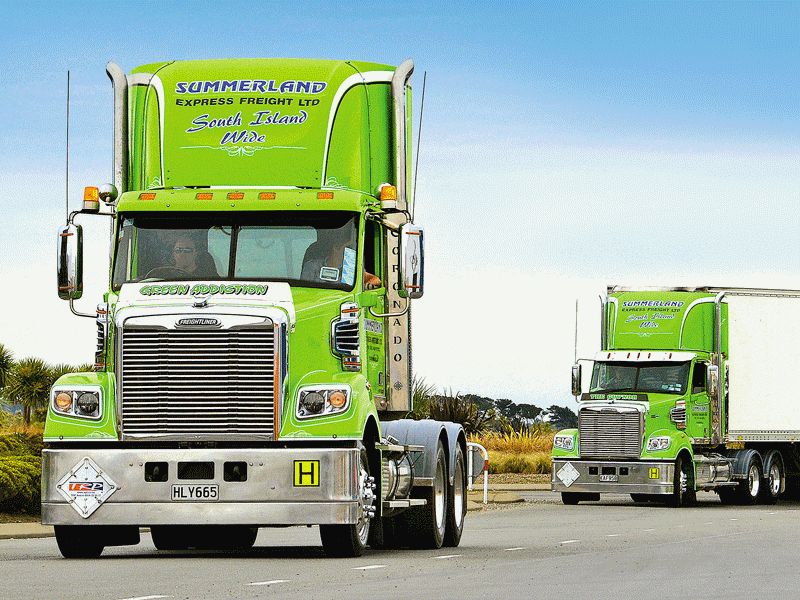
(565, 145)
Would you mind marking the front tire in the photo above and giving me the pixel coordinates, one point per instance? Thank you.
(684, 493)
(456, 502)
(349, 541)
(75, 541)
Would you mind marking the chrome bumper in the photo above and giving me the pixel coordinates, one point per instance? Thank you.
(280, 488)
(644, 477)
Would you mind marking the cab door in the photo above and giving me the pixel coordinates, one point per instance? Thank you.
(698, 406)
(373, 361)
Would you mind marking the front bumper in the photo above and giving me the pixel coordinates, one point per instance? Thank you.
(618, 477)
(303, 486)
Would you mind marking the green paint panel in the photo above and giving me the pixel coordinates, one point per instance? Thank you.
(258, 122)
(652, 320)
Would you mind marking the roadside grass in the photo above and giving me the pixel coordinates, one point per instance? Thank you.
(525, 452)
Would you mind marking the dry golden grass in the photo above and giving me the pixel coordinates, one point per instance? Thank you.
(516, 443)
(527, 452)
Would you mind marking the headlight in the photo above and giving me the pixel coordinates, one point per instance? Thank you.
(73, 401)
(658, 443)
(565, 442)
(321, 401)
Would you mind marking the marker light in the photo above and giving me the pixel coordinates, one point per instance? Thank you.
(235, 196)
(388, 192)
(337, 399)
(91, 199)
(204, 196)
(266, 196)
(63, 401)
(147, 196)
(325, 196)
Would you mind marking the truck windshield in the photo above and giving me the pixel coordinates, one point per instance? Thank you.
(311, 249)
(656, 377)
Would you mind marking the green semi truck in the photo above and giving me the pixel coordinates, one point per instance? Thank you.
(688, 393)
(253, 358)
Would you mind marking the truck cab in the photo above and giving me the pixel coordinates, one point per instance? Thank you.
(652, 406)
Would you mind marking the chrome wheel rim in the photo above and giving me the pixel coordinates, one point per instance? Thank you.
(458, 494)
(775, 479)
(753, 481)
(366, 498)
(438, 499)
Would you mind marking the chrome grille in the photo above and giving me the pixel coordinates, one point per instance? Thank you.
(202, 383)
(610, 432)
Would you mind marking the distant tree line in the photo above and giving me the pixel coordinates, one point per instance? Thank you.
(479, 413)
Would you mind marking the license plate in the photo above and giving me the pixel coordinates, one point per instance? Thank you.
(189, 492)
(609, 477)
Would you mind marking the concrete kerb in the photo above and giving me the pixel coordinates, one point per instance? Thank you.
(501, 493)
(498, 494)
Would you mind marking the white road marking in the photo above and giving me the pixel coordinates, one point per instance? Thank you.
(646, 530)
(148, 597)
(514, 549)
(270, 582)
(367, 568)
(734, 519)
(447, 556)
(569, 542)
(613, 535)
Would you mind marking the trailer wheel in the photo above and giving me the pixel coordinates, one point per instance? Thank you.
(429, 522)
(775, 478)
(75, 541)
(348, 541)
(683, 493)
(456, 501)
(749, 489)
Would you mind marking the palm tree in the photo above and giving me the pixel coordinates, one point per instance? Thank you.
(6, 364)
(29, 384)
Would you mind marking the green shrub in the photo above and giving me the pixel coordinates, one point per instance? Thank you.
(20, 472)
(20, 443)
(20, 483)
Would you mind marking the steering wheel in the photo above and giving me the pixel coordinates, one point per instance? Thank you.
(167, 272)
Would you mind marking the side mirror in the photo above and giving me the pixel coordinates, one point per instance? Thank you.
(70, 262)
(576, 380)
(712, 381)
(411, 261)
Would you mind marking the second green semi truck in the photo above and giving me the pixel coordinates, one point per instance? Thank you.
(690, 392)
(254, 344)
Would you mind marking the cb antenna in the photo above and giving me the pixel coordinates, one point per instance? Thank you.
(419, 136)
(67, 191)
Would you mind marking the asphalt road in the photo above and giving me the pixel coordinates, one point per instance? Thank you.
(539, 549)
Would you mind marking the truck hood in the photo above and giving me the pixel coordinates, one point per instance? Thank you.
(201, 294)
